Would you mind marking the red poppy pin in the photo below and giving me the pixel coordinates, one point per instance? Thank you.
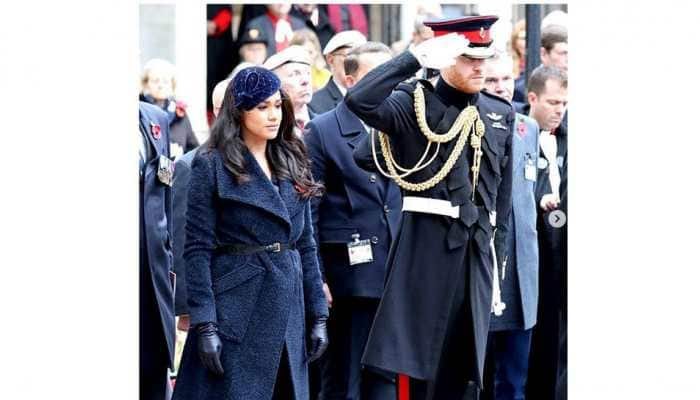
(155, 130)
(521, 128)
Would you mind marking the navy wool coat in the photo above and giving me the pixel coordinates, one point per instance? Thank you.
(356, 201)
(260, 302)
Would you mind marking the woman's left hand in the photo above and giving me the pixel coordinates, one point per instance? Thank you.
(318, 339)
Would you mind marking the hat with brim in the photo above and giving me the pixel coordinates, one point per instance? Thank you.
(344, 39)
(252, 35)
(292, 54)
(475, 29)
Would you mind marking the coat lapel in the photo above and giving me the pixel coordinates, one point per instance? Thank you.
(334, 91)
(354, 132)
(351, 128)
(257, 191)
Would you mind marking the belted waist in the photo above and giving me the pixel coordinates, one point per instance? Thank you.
(430, 206)
(241, 249)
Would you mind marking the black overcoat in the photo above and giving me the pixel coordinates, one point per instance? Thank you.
(426, 266)
(155, 217)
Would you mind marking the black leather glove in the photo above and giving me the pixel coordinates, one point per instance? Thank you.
(209, 346)
(318, 339)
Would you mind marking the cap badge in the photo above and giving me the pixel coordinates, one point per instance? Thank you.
(253, 33)
(482, 32)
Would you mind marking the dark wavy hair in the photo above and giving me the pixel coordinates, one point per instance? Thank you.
(286, 152)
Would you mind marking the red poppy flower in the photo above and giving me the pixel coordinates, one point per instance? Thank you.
(521, 128)
(155, 130)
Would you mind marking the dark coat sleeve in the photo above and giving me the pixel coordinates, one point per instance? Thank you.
(315, 299)
(201, 241)
(376, 102)
(504, 202)
(180, 183)
(314, 146)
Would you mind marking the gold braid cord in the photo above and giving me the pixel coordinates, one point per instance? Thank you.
(468, 120)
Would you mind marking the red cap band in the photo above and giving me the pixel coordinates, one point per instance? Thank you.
(481, 36)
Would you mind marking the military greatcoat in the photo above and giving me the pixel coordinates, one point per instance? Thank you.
(440, 269)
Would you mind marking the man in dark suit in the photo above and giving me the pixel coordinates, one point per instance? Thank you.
(356, 221)
(156, 317)
(547, 96)
(326, 98)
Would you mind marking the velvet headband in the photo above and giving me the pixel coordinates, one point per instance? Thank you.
(253, 85)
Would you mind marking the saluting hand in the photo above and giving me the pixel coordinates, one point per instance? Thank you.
(440, 52)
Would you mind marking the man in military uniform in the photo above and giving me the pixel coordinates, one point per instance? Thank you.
(432, 322)
(156, 279)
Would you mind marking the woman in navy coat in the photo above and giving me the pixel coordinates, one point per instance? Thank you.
(257, 307)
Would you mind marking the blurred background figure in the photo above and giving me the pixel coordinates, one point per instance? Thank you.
(518, 48)
(158, 88)
(293, 67)
(316, 19)
(556, 17)
(346, 17)
(220, 48)
(277, 26)
(554, 52)
(252, 46)
(156, 278)
(307, 39)
(555, 47)
(420, 34)
(335, 52)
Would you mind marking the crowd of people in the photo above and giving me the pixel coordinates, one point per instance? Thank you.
(365, 220)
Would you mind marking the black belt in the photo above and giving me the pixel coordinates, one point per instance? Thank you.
(247, 249)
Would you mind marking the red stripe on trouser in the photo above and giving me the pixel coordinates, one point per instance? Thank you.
(404, 393)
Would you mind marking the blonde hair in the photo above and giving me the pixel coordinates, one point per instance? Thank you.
(301, 37)
(157, 64)
(518, 29)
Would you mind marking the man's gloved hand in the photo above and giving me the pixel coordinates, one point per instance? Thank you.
(318, 339)
(440, 52)
(209, 346)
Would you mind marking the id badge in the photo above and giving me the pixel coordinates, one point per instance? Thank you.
(360, 252)
(166, 170)
(530, 170)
